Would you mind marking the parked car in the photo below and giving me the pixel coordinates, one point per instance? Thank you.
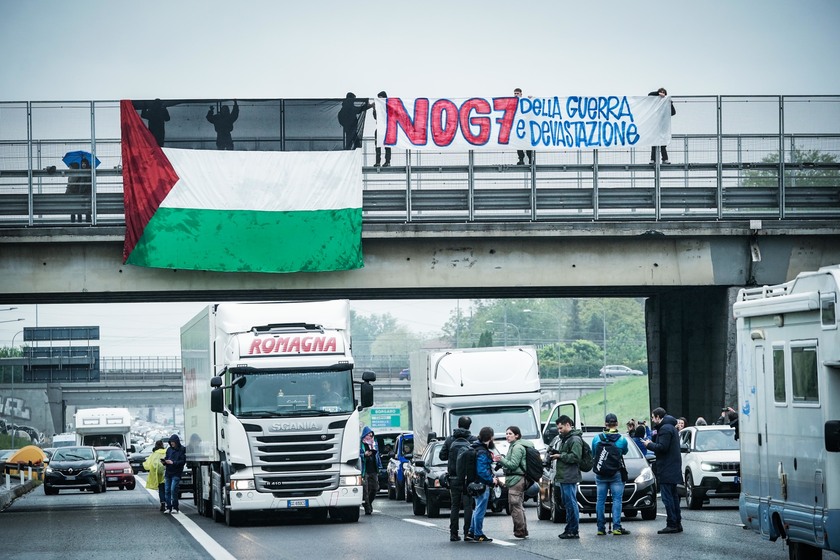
(386, 442)
(430, 490)
(711, 463)
(139, 457)
(403, 452)
(118, 472)
(618, 371)
(639, 490)
(75, 468)
(405, 375)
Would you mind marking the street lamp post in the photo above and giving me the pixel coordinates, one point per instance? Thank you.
(12, 393)
(556, 316)
(604, 309)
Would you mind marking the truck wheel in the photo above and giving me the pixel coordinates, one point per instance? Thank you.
(418, 507)
(232, 518)
(345, 514)
(802, 551)
(693, 498)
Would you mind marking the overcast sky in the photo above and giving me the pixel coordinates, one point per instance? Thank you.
(106, 50)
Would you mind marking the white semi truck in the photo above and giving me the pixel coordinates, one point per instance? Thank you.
(104, 426)
(271, 422)
(496, 387)
(788, 338)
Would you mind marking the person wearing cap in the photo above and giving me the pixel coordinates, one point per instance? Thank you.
(666, 447)
(613, 484)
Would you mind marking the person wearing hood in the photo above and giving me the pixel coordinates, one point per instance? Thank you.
(175, 460)
(613, 482)
(154, 466)
(370, 463)
(457, 443)
(668, 467)
(567, 449)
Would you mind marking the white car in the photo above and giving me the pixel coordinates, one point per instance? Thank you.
(618, 371)
(711, 464)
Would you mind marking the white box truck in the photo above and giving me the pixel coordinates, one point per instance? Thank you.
(496, 387)
(104, 426)
(788, 341)
(271, 422)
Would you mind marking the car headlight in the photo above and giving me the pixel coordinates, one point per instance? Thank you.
(92, 468)
(645, 476)
(709, 466)
(242, 484)
(355, 480)
(127, 470)
(48, 470)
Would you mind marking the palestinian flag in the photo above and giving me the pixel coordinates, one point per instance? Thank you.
(239, 211)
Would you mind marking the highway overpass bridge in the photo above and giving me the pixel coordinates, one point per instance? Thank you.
(751, 197)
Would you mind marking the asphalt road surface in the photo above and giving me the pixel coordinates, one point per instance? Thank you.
(127, 524)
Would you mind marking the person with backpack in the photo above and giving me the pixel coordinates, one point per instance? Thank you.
(450, 451)
(483, 473)
(514, 465)
(608, 450)
(568, 450)
(666, 447)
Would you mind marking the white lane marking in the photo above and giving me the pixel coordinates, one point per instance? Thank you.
(503, 543)
(213, 548)
(418, 522)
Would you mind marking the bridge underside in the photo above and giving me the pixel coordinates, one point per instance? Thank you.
(689, 277)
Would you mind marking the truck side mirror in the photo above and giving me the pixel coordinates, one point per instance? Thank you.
(366, 394)
(832, 436)
(368, 376)
(216, 382)
(217, 400)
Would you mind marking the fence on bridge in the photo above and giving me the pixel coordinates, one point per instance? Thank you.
(732, 157)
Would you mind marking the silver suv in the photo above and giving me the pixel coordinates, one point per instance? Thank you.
(711, 463)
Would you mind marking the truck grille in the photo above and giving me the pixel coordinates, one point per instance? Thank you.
(296, 464)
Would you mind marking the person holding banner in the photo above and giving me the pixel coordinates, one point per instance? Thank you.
(381, 95)
(521, 153)
(661, 92)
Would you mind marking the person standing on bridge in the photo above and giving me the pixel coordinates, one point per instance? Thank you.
(154, 466)
(176, 459)
(522, 153)
(661, 92)
(223, 123)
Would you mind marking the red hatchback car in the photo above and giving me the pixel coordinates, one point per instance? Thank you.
(117, 470)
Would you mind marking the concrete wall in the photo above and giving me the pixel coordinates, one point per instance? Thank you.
(691, 344)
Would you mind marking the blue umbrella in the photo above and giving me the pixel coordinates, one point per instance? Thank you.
(77, 157)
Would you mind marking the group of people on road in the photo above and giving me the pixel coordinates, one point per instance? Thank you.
(165, 468)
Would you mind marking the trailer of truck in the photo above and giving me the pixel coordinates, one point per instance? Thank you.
(788, 342)
(271, 418)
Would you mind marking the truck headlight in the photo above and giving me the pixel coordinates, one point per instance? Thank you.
(355, 480)
(645, 476)
(242, 484)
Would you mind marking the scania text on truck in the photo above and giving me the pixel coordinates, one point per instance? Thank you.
(104, 426)
(788, 341)
(271, 422)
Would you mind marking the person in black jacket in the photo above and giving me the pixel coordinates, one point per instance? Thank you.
(223, 123)
(661, 92)
(454, 445)
(668, 467)
(176, 459)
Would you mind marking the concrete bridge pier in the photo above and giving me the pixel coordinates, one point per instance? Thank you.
(691, 351)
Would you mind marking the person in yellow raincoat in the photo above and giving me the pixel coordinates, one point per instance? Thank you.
(154, 465)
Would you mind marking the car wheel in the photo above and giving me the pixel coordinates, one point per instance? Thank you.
(49, 490)
(401, 490)
(130, 486)
(558, 512)
(392, 492)
(432, 506)
(544, 513)
(692, 499)
(417, 507)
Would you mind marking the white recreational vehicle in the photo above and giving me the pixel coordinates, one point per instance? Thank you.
(789, 401)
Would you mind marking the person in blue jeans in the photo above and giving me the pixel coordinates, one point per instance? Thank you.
(666, 446)
(176, 459)
(483, 473)
(567, 449)
(612, 483)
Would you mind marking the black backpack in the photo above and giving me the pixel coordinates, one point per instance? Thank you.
(533, 466)
(586, 460)
(466, 465)
(609, 460)
(456, 448)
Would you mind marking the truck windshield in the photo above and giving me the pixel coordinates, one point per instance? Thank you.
(293, 394)
(499, 418)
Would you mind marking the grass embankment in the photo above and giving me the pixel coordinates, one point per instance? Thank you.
(626, 398)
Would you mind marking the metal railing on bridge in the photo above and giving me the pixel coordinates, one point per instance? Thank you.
(732, 158)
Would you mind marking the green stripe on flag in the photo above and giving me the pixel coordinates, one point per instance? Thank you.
(251, 241)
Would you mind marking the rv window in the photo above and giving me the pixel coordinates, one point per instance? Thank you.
(779, 390)
(803, 361)
(828, 315)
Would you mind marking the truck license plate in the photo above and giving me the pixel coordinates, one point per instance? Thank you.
(298, 503)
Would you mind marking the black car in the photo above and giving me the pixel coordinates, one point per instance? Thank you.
(78, 468)
(139, 457)
(428, 482)
(639, 490)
